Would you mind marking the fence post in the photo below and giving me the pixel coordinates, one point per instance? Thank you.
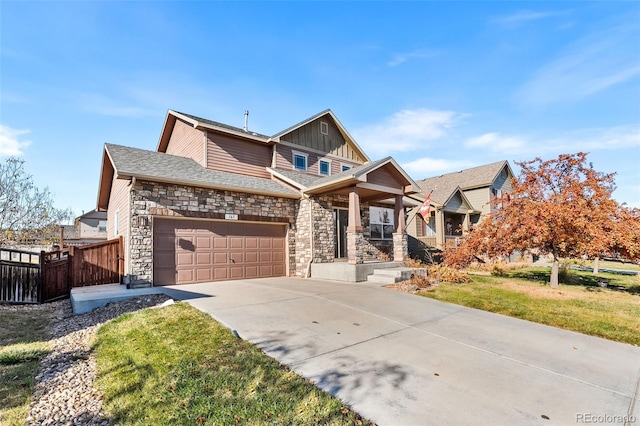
(41, 280)
(71, 271)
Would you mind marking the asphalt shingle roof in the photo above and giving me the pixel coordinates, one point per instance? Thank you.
(303, 179)
(307, 181)
(169, 168)
(224, 126)
(443, 186)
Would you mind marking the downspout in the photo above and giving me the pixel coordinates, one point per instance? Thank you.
(308, 272)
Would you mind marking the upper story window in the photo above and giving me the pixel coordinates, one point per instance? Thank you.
(102, 226)
(345, 167)
(324, 167)
(324, 128)
(116, 223)
(300, 161)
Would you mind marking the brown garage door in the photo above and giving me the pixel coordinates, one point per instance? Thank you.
(191, 251)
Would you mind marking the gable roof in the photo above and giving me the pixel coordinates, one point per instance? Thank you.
(326, 112)
(126, 162)
(206, 124)
(443, 186)
(202, 124)
(358, 174)
(315, 184)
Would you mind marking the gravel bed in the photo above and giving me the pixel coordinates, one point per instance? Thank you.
(64, 393)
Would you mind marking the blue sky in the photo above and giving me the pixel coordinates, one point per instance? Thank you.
(440, 86)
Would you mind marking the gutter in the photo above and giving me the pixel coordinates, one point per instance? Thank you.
(200, 184)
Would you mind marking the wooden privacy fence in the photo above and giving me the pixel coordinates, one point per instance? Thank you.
(93, 264)
(19, 276)
(27, 277)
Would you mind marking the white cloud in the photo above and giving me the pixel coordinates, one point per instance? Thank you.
(425, 166)
(585, 140)
(9, 141)
(523, 17)
(404, 57)
(406, 130)
(496, 142)
(591, 65)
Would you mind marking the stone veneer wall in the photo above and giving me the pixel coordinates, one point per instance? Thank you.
(374, 249)
(180, 200)
(324, 233)
(321, 210)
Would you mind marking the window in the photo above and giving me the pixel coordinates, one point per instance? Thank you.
(116, 227)
(102, 226)
(429, 227)
(324, 128)
(345, 167)
(381, 222)
(300, 161)
(325, 167)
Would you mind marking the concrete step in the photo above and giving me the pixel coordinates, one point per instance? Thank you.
(401, 272)
(383, 279)
(394, 275)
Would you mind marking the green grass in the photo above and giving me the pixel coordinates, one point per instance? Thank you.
(581, 305)
(176, 365)
(22, 346)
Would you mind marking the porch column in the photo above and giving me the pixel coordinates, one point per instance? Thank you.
(354, 229)
(400, 240)
(439, 228)
(399, 214)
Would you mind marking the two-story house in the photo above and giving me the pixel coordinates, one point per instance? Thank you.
(217, 202)
(458, 200)
(88, 228)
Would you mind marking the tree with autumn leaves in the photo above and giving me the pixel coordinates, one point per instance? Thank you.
(561, 207)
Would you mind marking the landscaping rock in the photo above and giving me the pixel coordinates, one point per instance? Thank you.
(64, 393)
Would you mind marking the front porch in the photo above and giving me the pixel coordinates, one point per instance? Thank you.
(355, 220)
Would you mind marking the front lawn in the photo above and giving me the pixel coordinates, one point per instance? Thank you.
(23, 344)
(582, 305)
(176, 365)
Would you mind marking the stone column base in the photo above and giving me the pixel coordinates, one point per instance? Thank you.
(355, 247)
(400, 247)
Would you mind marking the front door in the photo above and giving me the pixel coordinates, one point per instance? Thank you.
(341, 221)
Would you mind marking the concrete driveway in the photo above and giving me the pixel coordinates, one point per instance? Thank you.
(400, 359)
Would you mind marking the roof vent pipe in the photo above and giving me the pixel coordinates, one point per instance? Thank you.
(246, 120)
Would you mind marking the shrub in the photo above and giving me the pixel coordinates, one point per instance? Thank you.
(414, 263)
(447, 274)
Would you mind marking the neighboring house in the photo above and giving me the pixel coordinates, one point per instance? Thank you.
(458, 200)
(88, 228)
(217, 202)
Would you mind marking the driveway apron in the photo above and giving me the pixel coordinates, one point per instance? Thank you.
(400, 359)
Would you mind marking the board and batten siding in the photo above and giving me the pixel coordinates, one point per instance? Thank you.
(187, 142)
(119, 203)
(383, 176)
(310, 136)
(284, 160)
(228, 154)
